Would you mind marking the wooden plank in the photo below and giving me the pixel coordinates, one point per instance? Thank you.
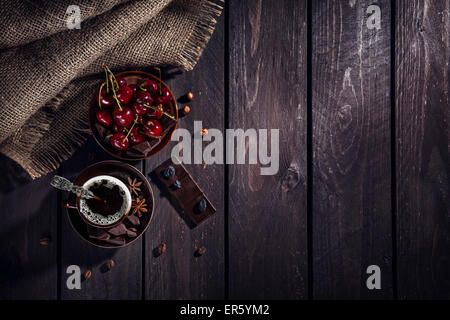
(124, 281)
(267, 213)
(178, 274)
(422, 105)
(351, 209)
(28, 270)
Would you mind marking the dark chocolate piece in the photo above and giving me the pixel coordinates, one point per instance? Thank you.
(102, 131)
(116, 240)
(190, 197)
(107, 138)
(131, 234)
(118, 230)
(142, 149)
(134, 220)
(97, 233)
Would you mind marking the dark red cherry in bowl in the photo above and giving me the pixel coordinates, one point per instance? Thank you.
(117, 128)
(105, 100)
(138, 109)
(157, 112)
(125, 94)
(104, 117)
(120, 141)
(164, 97)
(135, 137)
(152, 127)
(122, 82)
(133, 87)
(151, 86)
(143, 97)
(124, 117)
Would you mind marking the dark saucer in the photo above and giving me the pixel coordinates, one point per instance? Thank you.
(121, 171)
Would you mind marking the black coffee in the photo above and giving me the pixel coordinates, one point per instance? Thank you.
(109, 200)
(112, 200)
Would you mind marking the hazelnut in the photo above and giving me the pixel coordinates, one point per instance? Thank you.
(201, 251)
(162, 248)
(186, 109)
(190, 96)
(44, 241)
(87, 274)
(110, 264)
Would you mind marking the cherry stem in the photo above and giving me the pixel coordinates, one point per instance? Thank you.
(160, 81)
(141, 87)
(164, 113)
(107, 82)
(100, 95)
(111, 78)
(134, 123)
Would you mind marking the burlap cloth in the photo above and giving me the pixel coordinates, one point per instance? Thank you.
(49, 72)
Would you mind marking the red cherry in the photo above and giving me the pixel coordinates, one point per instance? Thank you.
(156, 113)
(143, 97)
(133, 87)
(120, 141)
(105, 101)
(117, 128)
(123, 117)
(151, 85)
(152, 127)
(135, 137)
(138, 109)
(124, 95)
(122, 82)
(164, 97)
(104, 117)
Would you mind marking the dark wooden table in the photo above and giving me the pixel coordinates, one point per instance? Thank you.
(363, 180)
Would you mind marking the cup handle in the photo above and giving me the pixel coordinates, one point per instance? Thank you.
(68, 205)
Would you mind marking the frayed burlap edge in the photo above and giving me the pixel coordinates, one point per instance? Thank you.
(201, 34)
(22, 144)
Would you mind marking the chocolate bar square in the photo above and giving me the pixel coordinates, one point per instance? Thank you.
(189, 195)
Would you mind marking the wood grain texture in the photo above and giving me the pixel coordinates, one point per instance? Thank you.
(422, 101)
(28, 270)
(267, 214)
(124, 281)
(178, 274)
(351, 210)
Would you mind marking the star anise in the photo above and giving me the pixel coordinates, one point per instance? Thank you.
(139, 207)
(134, 186)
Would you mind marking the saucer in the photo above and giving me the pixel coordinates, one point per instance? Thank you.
(120, 171)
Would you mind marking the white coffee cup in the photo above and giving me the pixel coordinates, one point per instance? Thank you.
(97, 219)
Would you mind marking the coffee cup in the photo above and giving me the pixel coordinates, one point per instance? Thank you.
(111, 204)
